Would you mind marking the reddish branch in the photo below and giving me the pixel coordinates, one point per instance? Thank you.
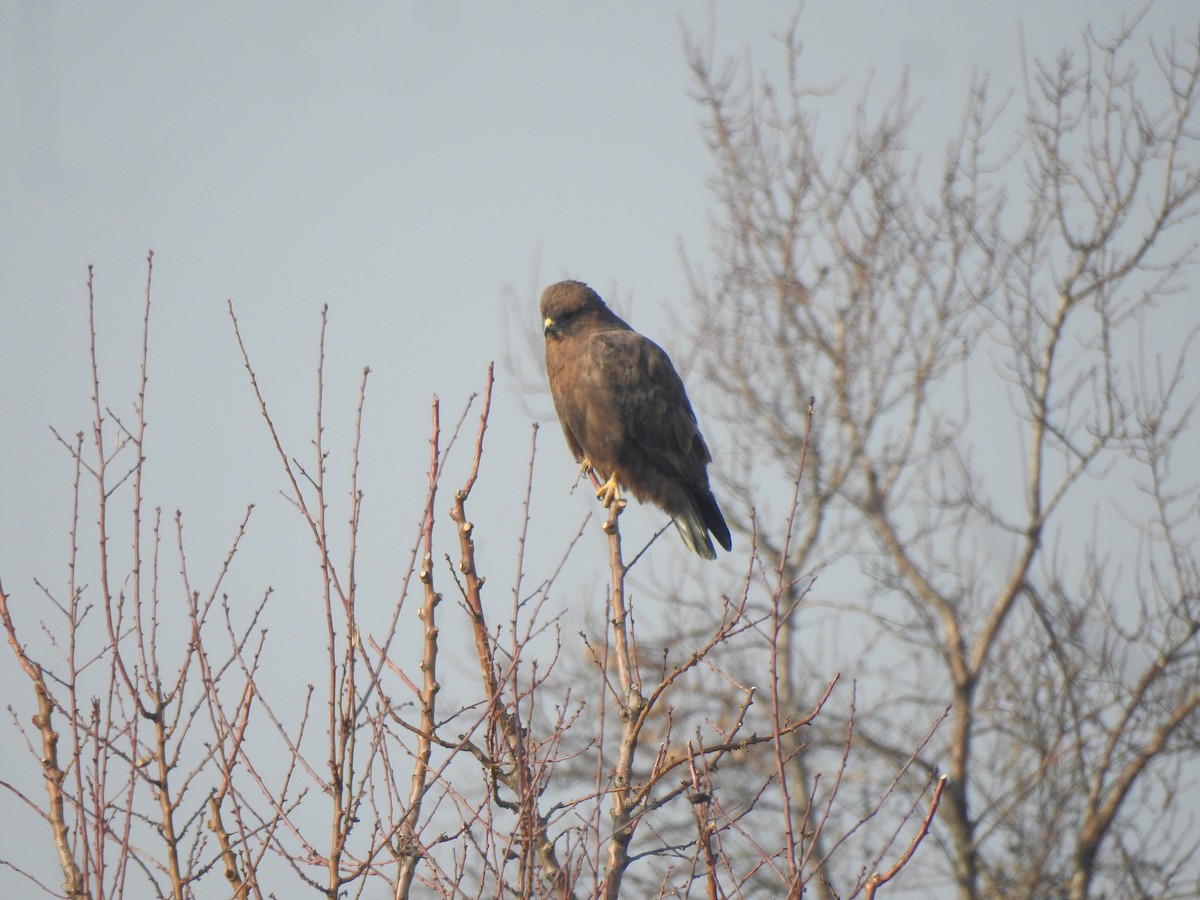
(519, 776)
(410, 846)
(73, 882)
(472, 582)
(632, 706)
(239, 886)
(877, 880)
(706, 829)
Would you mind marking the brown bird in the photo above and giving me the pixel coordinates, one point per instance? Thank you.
(625, 413)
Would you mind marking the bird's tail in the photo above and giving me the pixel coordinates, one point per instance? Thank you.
(701, 516)
(694, 534)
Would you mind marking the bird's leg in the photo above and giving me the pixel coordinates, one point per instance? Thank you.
(610, 492)
(586, 468)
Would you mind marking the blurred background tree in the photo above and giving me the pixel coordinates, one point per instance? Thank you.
(1003, 459)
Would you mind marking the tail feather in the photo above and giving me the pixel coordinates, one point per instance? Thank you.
(713, 520)
(701, 516)
(695, 535)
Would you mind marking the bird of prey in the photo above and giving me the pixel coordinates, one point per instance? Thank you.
(625, 414)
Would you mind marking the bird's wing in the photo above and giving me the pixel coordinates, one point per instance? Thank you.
(654, 407)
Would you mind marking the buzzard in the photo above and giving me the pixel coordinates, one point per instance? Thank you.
(625, 414)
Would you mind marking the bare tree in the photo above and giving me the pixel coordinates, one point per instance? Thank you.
(1003, 451)
(177, 751)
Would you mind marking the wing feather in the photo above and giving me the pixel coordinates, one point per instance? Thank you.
(655, 414)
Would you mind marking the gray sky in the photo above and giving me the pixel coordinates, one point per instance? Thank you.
(403, 163)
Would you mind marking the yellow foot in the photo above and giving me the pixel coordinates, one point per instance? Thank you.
(585, 466)
(610, 492)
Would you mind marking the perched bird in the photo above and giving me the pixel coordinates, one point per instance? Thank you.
(626, 415)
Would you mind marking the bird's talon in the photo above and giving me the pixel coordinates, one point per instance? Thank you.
(610, 492)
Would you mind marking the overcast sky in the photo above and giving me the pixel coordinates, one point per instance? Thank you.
(403, 163)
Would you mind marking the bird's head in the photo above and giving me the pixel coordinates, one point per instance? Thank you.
(568, 304)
